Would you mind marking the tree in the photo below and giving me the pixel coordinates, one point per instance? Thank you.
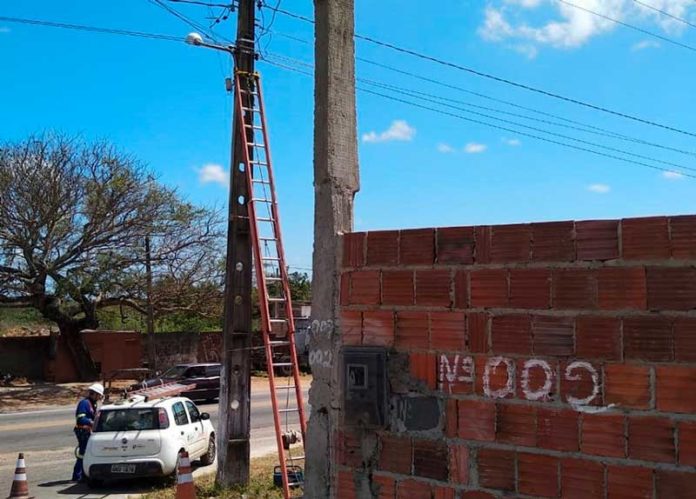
(74, 218)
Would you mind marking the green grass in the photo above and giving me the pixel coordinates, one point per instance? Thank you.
(12, 318)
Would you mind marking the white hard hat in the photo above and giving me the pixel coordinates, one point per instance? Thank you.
(97, 388)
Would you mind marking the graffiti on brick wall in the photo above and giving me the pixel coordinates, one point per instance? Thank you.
(530, 379)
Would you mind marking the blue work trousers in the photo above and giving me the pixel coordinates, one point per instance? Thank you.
(82, 438)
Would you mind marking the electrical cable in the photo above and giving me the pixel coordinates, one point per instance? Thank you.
(206, 4)
(93, 29)
(188, 21)
(499, 127)
(499, 79)
(665, 13)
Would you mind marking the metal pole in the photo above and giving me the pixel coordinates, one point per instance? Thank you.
(235, 382)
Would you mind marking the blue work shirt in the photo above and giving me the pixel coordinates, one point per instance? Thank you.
(84, 414)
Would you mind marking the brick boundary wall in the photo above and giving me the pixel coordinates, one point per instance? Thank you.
(533, 360)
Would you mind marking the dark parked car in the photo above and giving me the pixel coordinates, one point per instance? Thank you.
(205, 376)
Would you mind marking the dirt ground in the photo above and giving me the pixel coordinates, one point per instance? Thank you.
(22, 395)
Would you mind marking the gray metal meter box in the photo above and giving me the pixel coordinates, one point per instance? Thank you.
(364, 380)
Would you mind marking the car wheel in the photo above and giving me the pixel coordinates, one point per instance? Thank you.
(209, 457)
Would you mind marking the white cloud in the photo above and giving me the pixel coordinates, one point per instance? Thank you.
(599, 188)
(398, 130)
(445, 148)
(645, 44)
(672, 175)
(475, 148)
(512, 142)
(570, 26)
(213, 174)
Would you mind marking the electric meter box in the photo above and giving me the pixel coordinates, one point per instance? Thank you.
(364, 381)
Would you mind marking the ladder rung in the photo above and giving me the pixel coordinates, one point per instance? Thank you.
(255, 144)
(261, 200)
(267, 239)
(255, 162)
(256, 181)
(255, 127)
(285, 387)
(273, 279)
(276, 300)
(241, 90)
(253, 110)
(278, 321)
(279, 343)
(282, 364)
(298, 458)
(265, 219)
(294, 409)
(271, 258)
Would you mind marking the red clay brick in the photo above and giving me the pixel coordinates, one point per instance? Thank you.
(538, 475)
(648, 338)
(553, 242)
(448, 331)
(629, 482)
(516, 425)
(496, 469)
(459, 464)
(510, 243)
(413, 489)
(395, 454)
(378, 328)
(383, 247)
(603, 435)
(476, 420)
(423, 366)
(444, 492)
(455, 245)
(597, 240)
(500, 374)
(433, 288)
(577, 382)
(574, 289)
(622, 288)
(351, 327)
(451, 418)
(511, 334)
(386, 486)
(557, 429)
(489, 288)
(673, 388)
(671, 288)
(645, 238)
(455, 374)
(349, 451)
(483, 244)
(417, 247)
(687, 443)
(685, 339)
(354, 249)
(364, 287)
(430, 459)
(477, 329)
(530, 288)
(475, 494)
(536, 381)
(651, 439)
(581, 479)
(412, 330)
(461, 289)
(598, 338)
(345, 289)
(683, 237)
(397, 287)
(346, 485)
(553, 335)
(675, 484)
(627, 385)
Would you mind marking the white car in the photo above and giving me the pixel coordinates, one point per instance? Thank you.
(141, 438)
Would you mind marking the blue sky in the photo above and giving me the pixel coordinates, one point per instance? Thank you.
(165, 102)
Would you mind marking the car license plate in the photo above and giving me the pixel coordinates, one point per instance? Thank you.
(122, 468)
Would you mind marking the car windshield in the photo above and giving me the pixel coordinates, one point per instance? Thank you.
(127, 420)
(174, 372)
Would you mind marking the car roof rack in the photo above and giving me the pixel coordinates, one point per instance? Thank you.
(157, 392)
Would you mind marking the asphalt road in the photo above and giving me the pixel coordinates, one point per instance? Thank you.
(48, 444)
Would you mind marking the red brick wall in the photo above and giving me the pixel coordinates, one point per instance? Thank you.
(561, 357)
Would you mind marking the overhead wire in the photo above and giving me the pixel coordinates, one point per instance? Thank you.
(92, 29)
(665, 13)
(499, 79)
(195, 25)
(499, 127)
(206, 4)
(574, 125)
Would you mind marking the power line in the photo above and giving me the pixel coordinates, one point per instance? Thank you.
(630, 26)
(665, 13)
(499, 127)
(206, 4)
(582, 127)
(93, 29)
(500, 79)
(187, 20)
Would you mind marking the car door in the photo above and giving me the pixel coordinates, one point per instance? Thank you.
(184, 426)
(201, 441)
(196, 374)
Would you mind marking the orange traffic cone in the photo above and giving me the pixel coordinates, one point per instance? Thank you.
(184, 479)
(20, 487)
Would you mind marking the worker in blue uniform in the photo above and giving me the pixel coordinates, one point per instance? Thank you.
(84, 420)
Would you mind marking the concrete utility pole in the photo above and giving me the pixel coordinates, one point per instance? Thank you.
(235, 382)
(336, 181)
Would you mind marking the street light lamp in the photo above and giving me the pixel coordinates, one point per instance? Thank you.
(197, 40)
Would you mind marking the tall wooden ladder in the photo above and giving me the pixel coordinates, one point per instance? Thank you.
(271, 278)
